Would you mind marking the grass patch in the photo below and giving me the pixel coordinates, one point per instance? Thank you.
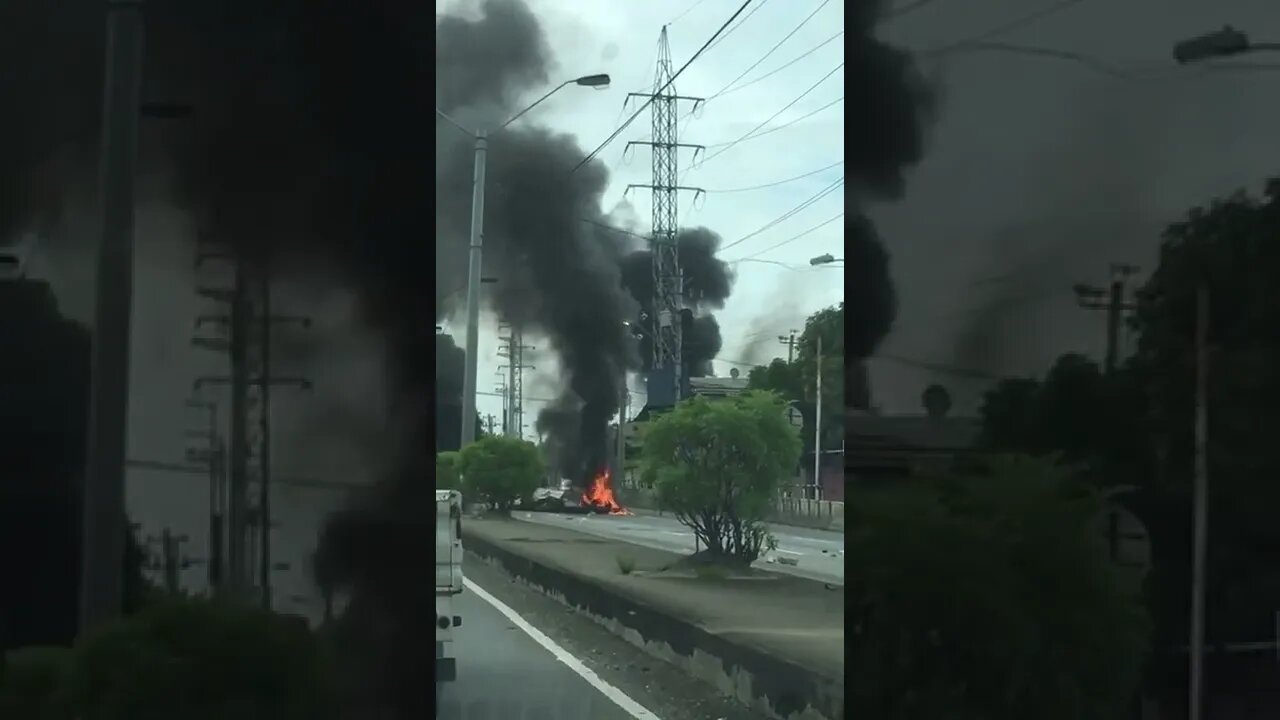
(709, 571)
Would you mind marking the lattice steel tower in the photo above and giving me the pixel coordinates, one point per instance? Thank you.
(668, 282)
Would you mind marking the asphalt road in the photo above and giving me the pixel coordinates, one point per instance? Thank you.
(817, 554)
(506, 674)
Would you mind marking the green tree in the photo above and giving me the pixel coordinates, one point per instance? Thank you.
(717, 465)
(988, 598)
(827, 324)
(1230, 248)
(1135, 426)
(201, 659)
(796, 381)
(501, 471)
(33, 685)
(779, 377)
(447, 477)
(1090, 420)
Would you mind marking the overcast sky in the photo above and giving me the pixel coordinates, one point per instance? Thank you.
(1040, 172)
(621, 39)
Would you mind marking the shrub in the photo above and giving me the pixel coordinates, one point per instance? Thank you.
(201, 659)
(32, 687)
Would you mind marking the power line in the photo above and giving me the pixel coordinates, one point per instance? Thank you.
(659, 91)
(776, 128)
(786, 107)
(693, 112)
(1090, 62)
(686, 11)
(742, 22)
(782, 67)
(937, 367)
(771, 50)
(793, 238)
(779, 182)
(898, 12)
(813, 199)
(1015, 24)
(614, 228)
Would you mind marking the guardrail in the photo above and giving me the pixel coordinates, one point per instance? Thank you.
(801, 512)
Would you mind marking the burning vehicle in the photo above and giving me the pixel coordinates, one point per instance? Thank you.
(598, 497)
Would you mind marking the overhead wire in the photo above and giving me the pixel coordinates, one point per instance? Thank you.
(907, 9)
(1007, 27)
(787, 215)
(788, 106)
(742, 22)
(770, 51)
(811, 173)
(797, 236)
(693, 112)
(591, 156)
(686, 11)
(775, 128)
(782, 67)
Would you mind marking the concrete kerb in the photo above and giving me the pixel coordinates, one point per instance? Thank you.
(777, 687)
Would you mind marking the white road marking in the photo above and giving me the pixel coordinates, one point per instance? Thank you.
(619, 698)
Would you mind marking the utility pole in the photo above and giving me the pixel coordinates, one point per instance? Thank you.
(667, 376)
(817, 424)
(1114, 303)
(488, 423)
(104, 526)
(1200, 504)
(212, 456)
(624, 400)
(790, 342)
(170, 562)
(172, 559)
(241, 320)
(512, 349)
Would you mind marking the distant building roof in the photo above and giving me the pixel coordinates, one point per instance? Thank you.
(911, 431)
(718, 386)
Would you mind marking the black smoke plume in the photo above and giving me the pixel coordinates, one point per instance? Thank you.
(884, 138)
(565, 272)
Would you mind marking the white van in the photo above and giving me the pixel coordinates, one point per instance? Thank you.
(448, 581)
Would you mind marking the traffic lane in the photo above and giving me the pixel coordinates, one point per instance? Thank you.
(810, 557)
(503, 673)
(500, 688)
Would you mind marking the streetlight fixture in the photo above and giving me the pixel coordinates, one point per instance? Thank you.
(1219, 43)
(477, 239)
(10, 265)
(825, 259)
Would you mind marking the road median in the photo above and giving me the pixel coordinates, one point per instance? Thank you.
(773, 641)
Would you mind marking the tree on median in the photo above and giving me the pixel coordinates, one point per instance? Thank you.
(447, 476)
(717, 465)
(500, 471)
(991, 598)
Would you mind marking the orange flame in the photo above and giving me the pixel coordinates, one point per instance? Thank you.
(600, 494)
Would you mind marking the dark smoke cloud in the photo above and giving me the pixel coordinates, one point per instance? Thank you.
(883, 140)
(708, 283)
(563, 273)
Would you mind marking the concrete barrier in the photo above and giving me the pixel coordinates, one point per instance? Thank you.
(777, 687)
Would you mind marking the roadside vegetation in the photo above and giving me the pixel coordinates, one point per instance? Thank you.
(717, 466)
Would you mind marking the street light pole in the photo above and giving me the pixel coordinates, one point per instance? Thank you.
(1217, 44)
(817, 424)
(1200, 513)
(475, 257)
(473, 291)
(103, 521)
